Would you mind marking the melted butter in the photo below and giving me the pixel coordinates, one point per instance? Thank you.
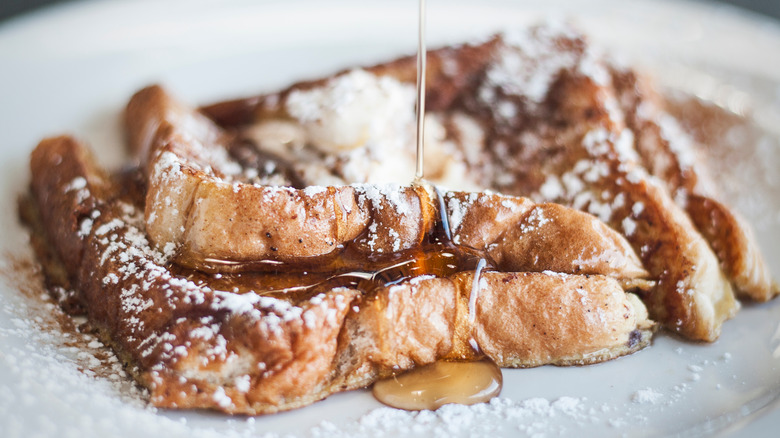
(440, 383)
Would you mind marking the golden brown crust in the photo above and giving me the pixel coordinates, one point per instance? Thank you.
(733, 241)
(693, 295)
(404, 325)
(78, 179)
(550, 235)
(566, 319)
(671, 154)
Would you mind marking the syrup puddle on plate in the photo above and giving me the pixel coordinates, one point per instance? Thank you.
(440, 383)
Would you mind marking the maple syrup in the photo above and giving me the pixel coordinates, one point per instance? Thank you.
(351, 268)
(440, 383)
(422, 55)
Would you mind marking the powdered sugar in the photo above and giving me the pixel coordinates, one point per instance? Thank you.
(77, 183)
(534, 220)
(314, 190)
(379, 194)
(647, 395)
(113, 397)
(680, 143)
(532, 416)
(528, 67)
(456, 210)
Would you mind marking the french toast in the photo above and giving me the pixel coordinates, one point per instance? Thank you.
(222, 341)
(264, 253)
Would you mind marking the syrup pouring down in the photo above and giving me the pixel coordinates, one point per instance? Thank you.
(434, 385)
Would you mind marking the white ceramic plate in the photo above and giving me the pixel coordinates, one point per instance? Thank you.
(72, 68)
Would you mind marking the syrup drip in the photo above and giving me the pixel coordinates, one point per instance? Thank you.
(475, 290)
(434, 385)
(445, 221)
(473, 297)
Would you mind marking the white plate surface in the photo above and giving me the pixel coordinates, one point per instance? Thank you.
(71, 69)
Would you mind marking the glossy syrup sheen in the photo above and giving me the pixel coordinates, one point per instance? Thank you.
(439, 258)
(440, 383)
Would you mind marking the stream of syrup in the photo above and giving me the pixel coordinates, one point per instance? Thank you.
(422, 55)
(434, 385)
